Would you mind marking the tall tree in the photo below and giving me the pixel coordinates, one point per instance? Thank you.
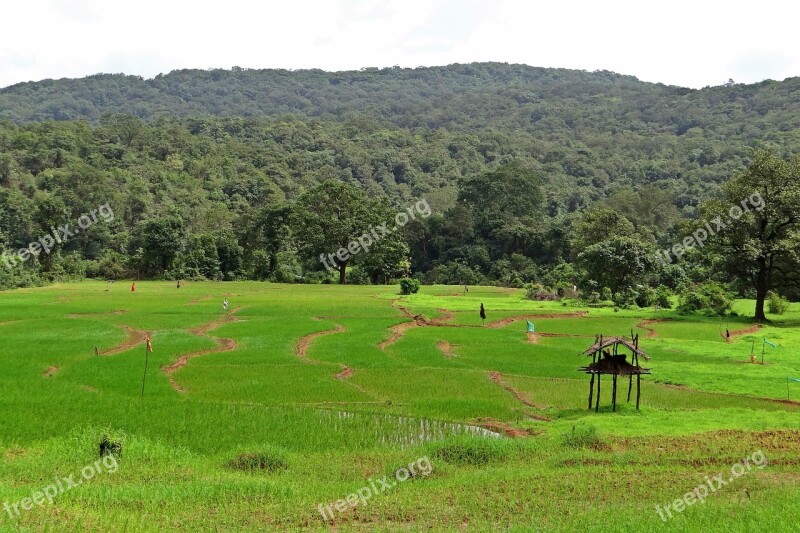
(327, 219)
(758, 226)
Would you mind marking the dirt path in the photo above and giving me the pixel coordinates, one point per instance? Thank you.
(497, 377)
(303, 344)
(499, 427)
(651, 333)
(447, 349)
(199, 299)
(135, 338)
(503, 322)
(223, 345)
(345, 373)
(740, 332)
(109, 313)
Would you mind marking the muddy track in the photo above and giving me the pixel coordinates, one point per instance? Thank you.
(304, 343)
(398, 330)
(345, 373)
(503, 322)
(739, 332)
(497, 377)
(199, 299)
(223, 345)
(447, 349)
(135, 338)
(109, 313)
(499, 427)
(651, 333)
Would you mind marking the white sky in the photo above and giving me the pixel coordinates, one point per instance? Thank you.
(689, 43)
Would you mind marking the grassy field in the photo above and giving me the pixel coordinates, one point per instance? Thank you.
(297, 396)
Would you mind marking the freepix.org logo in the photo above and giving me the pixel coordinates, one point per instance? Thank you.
(58, 235)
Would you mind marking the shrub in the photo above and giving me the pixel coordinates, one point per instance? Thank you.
(777, 305)
(470, 451)
(710, 297)
(583, 436)
(663, 297)
(271, 460)
(605, 294)
(409, 286)
(538, 293)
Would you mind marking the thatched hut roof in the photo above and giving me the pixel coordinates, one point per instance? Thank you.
(598, 346)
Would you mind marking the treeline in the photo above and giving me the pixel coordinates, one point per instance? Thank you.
(552, 179)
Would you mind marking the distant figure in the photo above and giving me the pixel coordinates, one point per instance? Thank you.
(149, 346)
(466, 289)
(728, 334)
(133, 287)
(179, 284)
(96, 351)
(483, 314)
(225, 304)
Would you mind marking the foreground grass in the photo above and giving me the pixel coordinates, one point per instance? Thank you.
(703, 410)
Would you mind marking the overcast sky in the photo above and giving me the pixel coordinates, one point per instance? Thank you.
(689, 43)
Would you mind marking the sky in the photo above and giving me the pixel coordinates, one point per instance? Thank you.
(688, 43)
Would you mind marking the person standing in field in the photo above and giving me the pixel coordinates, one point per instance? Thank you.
(483, 313)
(133, 287)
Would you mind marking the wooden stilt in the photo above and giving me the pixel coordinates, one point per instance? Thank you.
(638, 389)
(597, 401)
(614, 393)
(630, 386)
(591, 392)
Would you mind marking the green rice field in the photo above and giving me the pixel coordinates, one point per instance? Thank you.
(268, 415)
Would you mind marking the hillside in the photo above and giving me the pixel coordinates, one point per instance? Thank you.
(217, 152)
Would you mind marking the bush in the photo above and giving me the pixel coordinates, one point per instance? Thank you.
(663, 297)
(538, 293)
(409, 286)
(777, 305)
(271, 460)
(710, 298)
(471, 451)
(583, 436)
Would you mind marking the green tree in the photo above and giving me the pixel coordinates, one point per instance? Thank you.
(327, 219)
(760, 240)
(618, 262)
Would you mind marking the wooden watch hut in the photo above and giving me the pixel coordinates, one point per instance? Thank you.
(609, 357)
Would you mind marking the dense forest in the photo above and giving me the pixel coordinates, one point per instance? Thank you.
(538, 177)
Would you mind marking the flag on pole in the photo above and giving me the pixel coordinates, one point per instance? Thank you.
(531, 327)
(767, 341)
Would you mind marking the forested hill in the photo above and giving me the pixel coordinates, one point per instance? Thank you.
(480, 95)
(207, 154)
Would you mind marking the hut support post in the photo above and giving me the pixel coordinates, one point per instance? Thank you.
(597, 401)
(638, 389)
(630, 386)
(591, 391)
(614, 393)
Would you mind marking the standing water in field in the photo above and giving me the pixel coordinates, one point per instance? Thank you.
(401, 430)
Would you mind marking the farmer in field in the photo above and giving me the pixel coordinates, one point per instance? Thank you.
(483, 314)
